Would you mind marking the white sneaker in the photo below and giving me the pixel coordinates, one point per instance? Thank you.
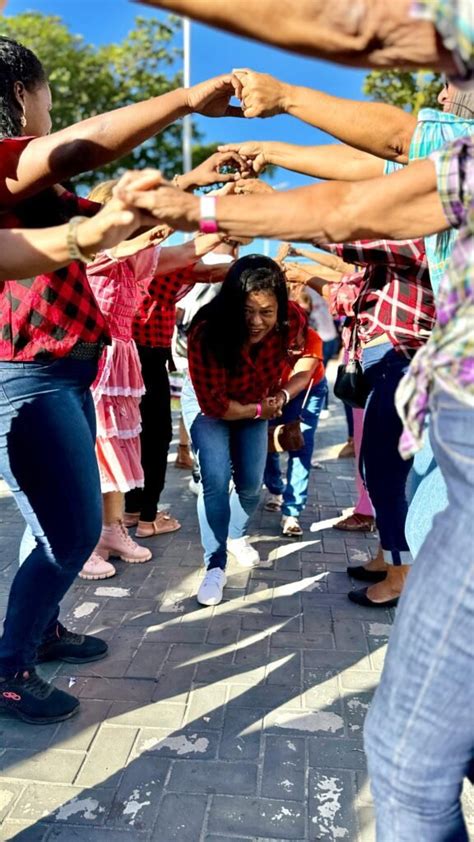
(210, 591)
(194, 486)
(243, 552)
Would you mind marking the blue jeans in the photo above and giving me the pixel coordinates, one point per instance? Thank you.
(47, 458)
(295, 490)
(384, 471)
(426, 496)
(224, 450)
(419, 731)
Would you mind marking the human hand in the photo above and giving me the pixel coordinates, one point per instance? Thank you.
(252, 186)
(283, 252)
(295, 273)
(270, 409)
(210, 171)
(212, 97)
(255, 152)
(115, 221)
(169, 205)
(280, 401)
(260, 94)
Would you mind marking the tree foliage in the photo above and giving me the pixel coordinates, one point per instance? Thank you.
(87, 80)
(410, 91)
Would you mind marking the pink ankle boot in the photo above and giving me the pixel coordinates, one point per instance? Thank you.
(116, 540)
(97, 567)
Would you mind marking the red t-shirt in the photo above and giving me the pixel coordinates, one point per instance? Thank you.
(313, 347)
(45, 316)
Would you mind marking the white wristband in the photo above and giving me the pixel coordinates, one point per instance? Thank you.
(207, 212)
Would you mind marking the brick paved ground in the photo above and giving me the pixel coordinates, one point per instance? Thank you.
(240, 722)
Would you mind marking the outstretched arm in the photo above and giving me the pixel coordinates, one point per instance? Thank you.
(29, 252)
(402, 205)
(333, 161)
(373, 127)
(95, 142)
(365, 33)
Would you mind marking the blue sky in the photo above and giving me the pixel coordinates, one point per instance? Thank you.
(214, 52)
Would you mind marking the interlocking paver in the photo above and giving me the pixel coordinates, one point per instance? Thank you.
(240, 722)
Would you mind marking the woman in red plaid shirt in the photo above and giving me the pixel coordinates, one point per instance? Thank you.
(238, 347)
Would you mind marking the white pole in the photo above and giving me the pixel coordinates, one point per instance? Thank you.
(187, 120)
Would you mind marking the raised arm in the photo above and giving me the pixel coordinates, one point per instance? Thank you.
(366, 33)
(331, 161)
(98, 140)
(402, 205)
(372, 127)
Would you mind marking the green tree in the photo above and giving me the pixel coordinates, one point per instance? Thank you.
(410, 91)
(87, 80)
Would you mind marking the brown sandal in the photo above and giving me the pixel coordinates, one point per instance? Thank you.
(162, 524)
(356, 523)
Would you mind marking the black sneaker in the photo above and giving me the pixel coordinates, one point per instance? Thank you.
(71, 647)
(32, 699)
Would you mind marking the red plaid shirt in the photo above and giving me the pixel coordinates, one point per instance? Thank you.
(396, 296)
(155, 319)
(258, 374)
(45, 316)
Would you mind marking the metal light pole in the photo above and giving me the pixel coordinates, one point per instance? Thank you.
(187, 120)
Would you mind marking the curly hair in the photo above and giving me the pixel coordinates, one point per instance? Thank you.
(224, 329)
(17, 64)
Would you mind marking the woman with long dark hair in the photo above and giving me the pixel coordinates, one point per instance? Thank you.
(51, 337)
(238, 346)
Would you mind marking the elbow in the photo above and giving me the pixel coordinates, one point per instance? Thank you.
(339, 215)
(75, 156)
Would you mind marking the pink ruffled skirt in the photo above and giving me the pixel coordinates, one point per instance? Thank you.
(117, 392)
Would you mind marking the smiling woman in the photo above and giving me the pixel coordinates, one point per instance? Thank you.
(239, 345)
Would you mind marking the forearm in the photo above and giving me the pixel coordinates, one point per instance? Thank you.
(332, 261)
(333, 161)
(174, 258)
(374, 129)
(94, 142)
(299, 381)
(368, 33)
(240, 412)
(26, 253)
(318, 284)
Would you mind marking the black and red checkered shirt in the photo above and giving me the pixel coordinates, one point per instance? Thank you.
(45, 316)
(155, 319)
(396, 296)
(258, 373)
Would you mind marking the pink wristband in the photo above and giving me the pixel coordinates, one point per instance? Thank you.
(258, 413)
(207, 214)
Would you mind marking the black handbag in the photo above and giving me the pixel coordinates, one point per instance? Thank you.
(351, 384)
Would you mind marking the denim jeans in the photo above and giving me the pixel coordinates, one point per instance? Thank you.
(225, 450)
(295, 490)
(47, 458)
(419, 731)
(384, 471)
(426, 496)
